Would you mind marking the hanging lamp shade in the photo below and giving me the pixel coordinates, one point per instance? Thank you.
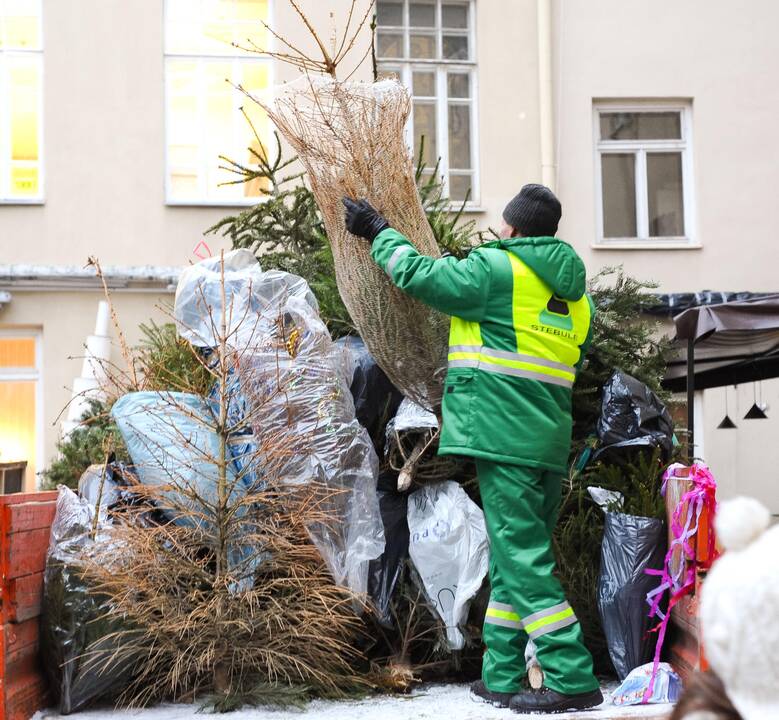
(726, 424)
(755, 413)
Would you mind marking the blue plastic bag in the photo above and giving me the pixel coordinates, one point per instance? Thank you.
(171, 439)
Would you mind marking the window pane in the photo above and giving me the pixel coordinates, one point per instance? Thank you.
(459, 187)
(459, 137)
(427, 178)
(619, 195)
(17, 425)
(389, 45)
(184, 134)
(425, 125)
(454, 16)
(211, 26)
(458, 85)
(424, 84)
(455, 47)
(17, 353)
(205, 121)
(220, 100)
(389, 13)
(640, 126)
(421, 15)
(24, 78)
(255, 80)
(422, 46)
(388, 74)
(664, 186)
(20, 24)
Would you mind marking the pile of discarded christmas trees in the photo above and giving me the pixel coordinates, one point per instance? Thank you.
(266, 519)
(242, 538)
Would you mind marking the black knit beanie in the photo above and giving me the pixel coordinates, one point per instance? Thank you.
(535, 211)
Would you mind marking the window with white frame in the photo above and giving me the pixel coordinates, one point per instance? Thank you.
(644, 173)
(208, 53)
(429, 46)
(20, 400)
(21, 98)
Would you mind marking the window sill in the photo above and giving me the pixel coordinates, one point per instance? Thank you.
(455, 207)
(22, 201)
(646, 245)
(214, 203)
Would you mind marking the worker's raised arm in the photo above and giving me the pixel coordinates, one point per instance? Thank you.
(455, 287)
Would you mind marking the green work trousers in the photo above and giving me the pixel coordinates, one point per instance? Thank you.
(521, 506)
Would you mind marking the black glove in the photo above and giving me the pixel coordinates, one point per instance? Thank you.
(363, 220)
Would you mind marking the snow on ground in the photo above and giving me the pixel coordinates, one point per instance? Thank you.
(433, 702)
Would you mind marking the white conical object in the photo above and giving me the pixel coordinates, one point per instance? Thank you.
(103, 319)
(97, 354)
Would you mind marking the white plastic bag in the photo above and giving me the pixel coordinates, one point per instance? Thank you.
(450, 550)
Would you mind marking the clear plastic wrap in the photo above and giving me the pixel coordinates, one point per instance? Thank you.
(290, 383)
(77, 642)
(300, 378)
(251, 298)
(411, 417)
(450, 551)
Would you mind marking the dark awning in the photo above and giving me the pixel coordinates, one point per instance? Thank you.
(735, 342)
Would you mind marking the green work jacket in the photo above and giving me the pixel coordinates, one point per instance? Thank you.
(521, 325)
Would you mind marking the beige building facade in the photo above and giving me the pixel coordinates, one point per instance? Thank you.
(651, 120)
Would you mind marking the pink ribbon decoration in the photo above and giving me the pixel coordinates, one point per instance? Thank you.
(681, 582)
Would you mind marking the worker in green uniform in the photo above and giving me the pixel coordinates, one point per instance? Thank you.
(520, 327)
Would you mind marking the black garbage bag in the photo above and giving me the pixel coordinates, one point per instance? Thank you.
(631, 545)
(384, 572)
(77, 644)
(632, 418)
(376, 399)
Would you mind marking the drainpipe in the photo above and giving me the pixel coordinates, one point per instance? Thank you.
(545, 90)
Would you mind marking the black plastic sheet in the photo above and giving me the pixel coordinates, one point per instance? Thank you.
(77, 642)
(669, 304)
(631, 545)
(632, 418)
(384, 572)
(376, 399)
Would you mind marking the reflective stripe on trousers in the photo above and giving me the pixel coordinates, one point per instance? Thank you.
(535, 625)
(503, 615)
(504, 362)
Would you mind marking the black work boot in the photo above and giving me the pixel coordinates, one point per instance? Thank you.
(480, 694)
(545, 700)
